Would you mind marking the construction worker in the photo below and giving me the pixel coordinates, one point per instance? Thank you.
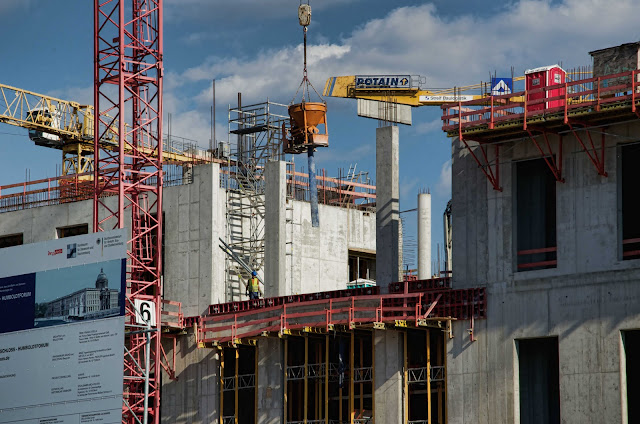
(253, 287)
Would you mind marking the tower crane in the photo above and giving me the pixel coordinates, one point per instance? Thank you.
(68, 126)
(402, 89)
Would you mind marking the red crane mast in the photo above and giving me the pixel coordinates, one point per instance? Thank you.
(128, 69)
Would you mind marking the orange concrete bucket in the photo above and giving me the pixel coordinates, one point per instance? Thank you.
(308, 114)
(306, 117)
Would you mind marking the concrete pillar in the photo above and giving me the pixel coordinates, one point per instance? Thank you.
(270, 381)
(275, 258)
(388, 265)
(424, 236)
(389, 375)
(194, 219)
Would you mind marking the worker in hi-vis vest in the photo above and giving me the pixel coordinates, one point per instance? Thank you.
(253, 287)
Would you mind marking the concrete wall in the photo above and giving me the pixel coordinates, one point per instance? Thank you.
(194, 269)
(40, 224)
(318, 257)
(194, 397)
(586, 301)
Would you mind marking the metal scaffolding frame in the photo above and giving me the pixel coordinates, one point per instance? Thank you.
(259, 133)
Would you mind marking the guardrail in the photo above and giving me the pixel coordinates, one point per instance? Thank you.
(576, 97)
(400, 309)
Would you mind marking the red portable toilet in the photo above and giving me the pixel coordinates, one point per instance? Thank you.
(540, 78)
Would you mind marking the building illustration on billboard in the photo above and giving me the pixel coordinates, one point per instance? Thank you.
(96, 300)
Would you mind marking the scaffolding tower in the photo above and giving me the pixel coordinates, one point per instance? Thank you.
(259, 134)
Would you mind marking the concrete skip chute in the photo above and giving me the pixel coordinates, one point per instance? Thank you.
(308, 121)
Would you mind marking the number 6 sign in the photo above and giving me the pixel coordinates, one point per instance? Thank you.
(145, 312)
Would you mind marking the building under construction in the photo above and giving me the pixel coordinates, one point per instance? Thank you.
(537, 322)
(315, 348)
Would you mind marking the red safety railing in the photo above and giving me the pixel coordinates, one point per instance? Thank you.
(246, 305)
(588, 95)
(172, 314)
(61, 189)
(631, 248)
(413, 286)
(351, 312)
(528, 264)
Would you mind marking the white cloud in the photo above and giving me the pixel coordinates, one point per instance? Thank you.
(224, 11)
(341, 155)
(272, 73)
(427, 127)
(409, 40)
(443, 186)
(82, 95)
(416, 40)
(408, 188)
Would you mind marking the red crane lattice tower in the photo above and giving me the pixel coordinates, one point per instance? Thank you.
(128, 103)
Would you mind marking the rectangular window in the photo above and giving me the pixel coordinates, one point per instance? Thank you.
(539, 381)
(11, 240)
(362, 265)
(535, 215)
(73, 230)
(630, 201)
(631, 341)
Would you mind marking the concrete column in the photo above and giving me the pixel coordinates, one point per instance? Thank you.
(210, 225)
(424, 236)
(270, 381)
(194, 219)
(275, 259)
(389, 362)
(388, 265)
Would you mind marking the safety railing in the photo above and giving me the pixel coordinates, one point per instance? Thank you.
(63, 189)
(631, 248)
(172, 314)
(530, 259)
(415, 285)
(374, 310)
(558, 101)
(331, 191)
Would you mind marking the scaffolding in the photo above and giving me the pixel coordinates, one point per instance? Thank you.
(259, 133)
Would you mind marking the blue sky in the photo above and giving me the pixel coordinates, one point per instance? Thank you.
(253, 46)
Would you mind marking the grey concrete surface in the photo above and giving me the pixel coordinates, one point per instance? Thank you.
(275, 257)
(389, 375)
(318, 257)
(270, 381)
(194, 397)
(194, 220)
(388, 256)
(424, 236)
(586, 301)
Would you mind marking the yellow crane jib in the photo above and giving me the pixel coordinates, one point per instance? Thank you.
(68, 126)
(401, 89)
